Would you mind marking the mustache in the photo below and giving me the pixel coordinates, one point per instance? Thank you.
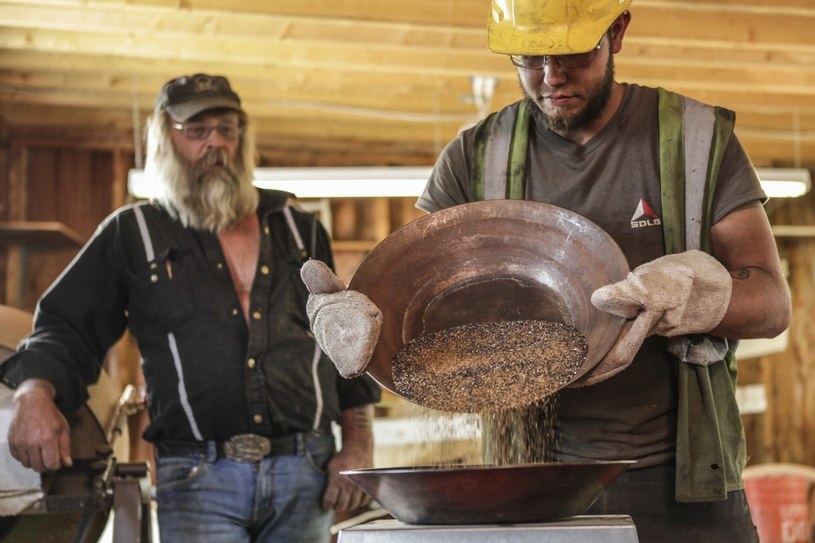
(204, 165)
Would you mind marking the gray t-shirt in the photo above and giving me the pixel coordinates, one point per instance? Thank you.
(612, 180)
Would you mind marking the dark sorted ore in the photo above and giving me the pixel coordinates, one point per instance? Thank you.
(488, 367)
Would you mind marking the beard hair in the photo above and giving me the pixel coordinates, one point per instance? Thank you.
(202, 198)
(598, 99)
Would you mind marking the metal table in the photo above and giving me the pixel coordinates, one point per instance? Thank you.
(580, 529)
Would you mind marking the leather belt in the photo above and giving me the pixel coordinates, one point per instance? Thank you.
(241, 447)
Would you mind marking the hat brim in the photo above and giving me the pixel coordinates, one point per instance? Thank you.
(187, 110)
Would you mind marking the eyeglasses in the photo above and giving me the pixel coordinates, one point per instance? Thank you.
(201, 131)
(538, 62)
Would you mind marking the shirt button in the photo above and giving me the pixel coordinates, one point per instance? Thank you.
(256, 315)
(235, 311)
(264, 270)
(250, 363)
(153, 278)
(219, 265)
(258, 419)
(266, 230)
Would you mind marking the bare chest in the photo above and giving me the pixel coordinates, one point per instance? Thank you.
(241, 247)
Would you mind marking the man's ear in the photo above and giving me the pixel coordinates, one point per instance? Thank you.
(617, 30)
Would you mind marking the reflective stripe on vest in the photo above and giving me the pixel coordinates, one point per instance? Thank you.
(692, 140)
(499, 158)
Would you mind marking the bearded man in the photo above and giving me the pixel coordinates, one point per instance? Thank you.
(668, 179)
(207, 279)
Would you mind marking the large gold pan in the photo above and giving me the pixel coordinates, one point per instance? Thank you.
(488, 494)
(491, 261)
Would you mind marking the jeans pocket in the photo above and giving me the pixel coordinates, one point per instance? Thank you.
(318, 451)
(178, 472)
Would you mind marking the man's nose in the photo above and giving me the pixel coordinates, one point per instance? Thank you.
(215, 139)
(553, 73)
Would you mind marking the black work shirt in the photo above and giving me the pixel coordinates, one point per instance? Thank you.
(209, 373)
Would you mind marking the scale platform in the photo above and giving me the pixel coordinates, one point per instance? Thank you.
(580, 529)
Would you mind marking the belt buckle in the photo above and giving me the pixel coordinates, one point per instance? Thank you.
(247, 448)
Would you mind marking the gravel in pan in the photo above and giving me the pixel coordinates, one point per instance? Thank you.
(488, 367)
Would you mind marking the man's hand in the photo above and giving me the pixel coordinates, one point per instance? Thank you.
(345, 323)
(342, 493)
(685, 293)
(39, 436)
(679, 294)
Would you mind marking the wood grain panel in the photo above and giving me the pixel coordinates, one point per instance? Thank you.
(384, 70)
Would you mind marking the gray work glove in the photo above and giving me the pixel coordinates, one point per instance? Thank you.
(345, 322)
(675, 295)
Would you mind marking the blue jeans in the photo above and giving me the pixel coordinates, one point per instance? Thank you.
(210, 499)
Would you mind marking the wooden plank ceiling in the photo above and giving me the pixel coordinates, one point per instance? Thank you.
(358, 82)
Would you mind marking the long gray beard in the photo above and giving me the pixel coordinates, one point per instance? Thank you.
(209, 200)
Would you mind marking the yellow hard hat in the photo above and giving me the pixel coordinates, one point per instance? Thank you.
(550, 27)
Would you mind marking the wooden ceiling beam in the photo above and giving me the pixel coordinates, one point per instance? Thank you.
(227, 24)
(434, 12)
(385, 74)
(416, 12)
(766, 147)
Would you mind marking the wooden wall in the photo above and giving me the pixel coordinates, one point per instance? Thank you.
(786, 431)
(78, 178)
(69, 180)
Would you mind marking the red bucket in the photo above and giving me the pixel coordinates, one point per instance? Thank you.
(779, 500)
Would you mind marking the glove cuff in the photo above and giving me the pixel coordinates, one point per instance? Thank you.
(708, 300)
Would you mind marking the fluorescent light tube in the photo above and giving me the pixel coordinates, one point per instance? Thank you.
(784, 182)
(409, 181)
(347, 182)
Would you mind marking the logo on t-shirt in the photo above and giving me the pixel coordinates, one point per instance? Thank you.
(644, 216)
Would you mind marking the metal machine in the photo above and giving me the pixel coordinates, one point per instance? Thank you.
(77, 502)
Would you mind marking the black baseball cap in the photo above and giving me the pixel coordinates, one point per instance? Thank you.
(188, 95)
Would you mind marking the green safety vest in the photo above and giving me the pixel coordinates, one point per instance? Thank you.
(710, 444)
